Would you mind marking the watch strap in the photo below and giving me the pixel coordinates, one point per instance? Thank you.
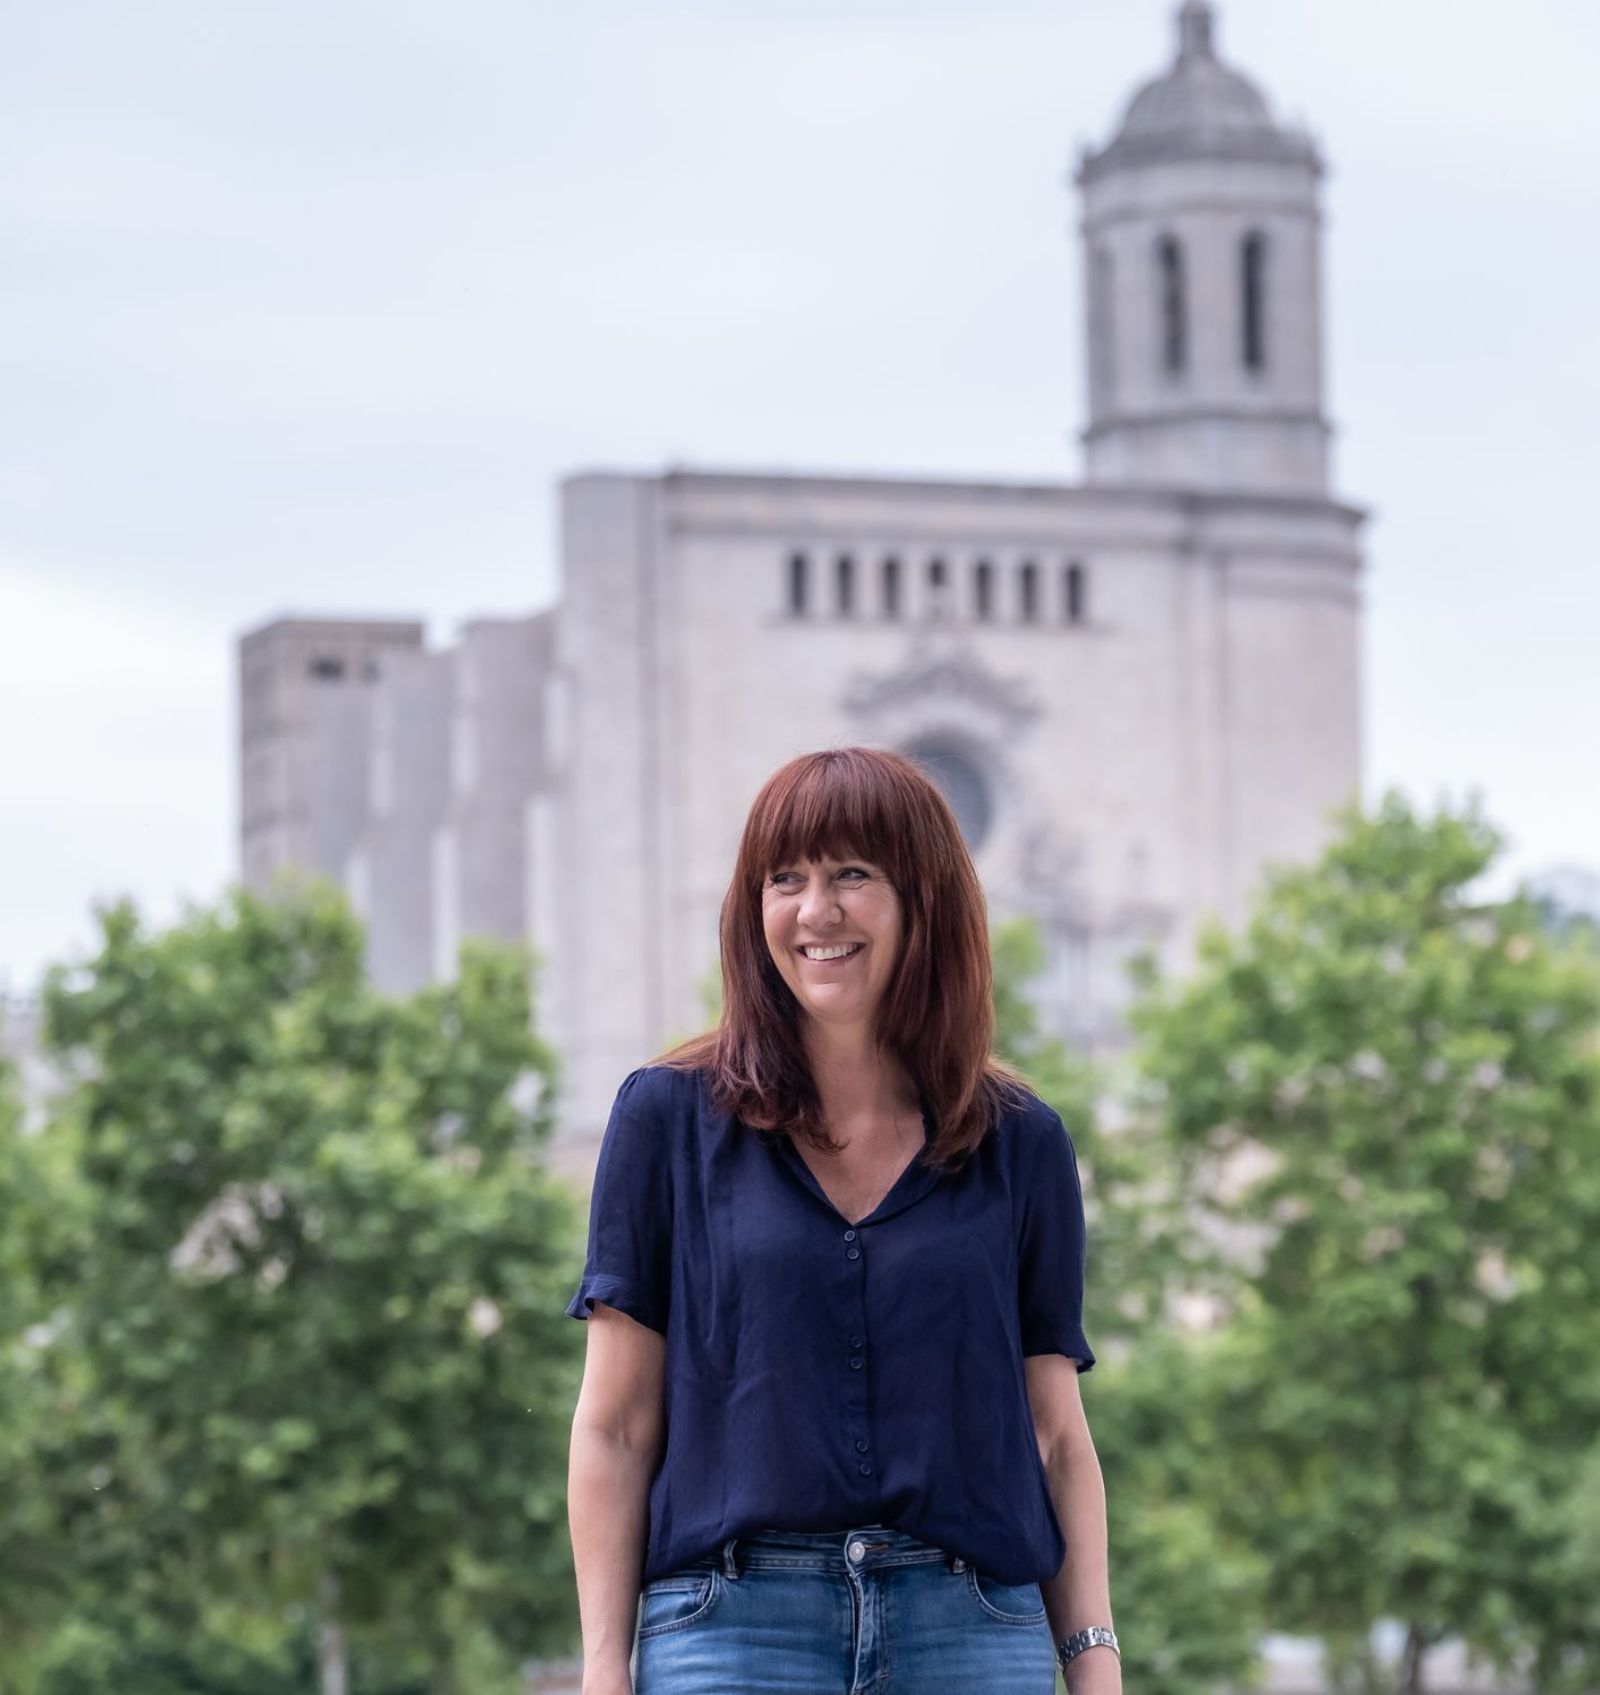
(1091, 1636)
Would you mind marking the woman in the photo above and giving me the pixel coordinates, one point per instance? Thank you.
(830, 1418)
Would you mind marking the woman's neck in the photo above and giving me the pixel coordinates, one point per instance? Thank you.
(857, 1082)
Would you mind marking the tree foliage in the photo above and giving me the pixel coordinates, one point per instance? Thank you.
(303, 1284)
(1381, 1109)
(1187, 1603)
(29, 1556)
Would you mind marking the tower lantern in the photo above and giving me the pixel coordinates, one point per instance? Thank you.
(1202, 233)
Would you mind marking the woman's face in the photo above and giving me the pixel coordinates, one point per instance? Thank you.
(825, 905)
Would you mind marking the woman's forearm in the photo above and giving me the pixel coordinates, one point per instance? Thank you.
(608, 1493)
(1080, 1593)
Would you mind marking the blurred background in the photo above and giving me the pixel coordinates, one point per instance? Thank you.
(459, 453)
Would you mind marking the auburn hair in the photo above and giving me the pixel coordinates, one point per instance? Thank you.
(936, 1015)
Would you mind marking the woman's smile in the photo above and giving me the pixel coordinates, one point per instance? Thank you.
(829, 956)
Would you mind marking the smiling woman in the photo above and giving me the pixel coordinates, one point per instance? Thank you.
(845, 1246)
(832, 928)
(856, 846)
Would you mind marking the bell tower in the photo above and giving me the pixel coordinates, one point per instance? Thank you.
(1201, 234)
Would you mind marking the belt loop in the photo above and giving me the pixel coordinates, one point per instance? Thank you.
(730, 1566)
(956, 1563)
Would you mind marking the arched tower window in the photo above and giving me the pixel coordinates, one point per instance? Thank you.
(1073, 593)
(1174, 308)
(1253, 300)
(797, 584)
(891, 587)
(1028, 591)
(845, 567)
(983, 589)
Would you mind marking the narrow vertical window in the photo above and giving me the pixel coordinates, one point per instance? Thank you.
(1174, 310)
(891, 587)
(845, 566)
(797, 584)
(1253, 299)
(983, 589)
(1072, 593)
(938, 580)
(1028, 591)
(1102, 331)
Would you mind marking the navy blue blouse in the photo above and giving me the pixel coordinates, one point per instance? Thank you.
(820, 1374)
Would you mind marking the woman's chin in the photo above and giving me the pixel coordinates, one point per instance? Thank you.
(847, 1004)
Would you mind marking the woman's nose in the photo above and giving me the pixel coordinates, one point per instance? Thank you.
(819, 903)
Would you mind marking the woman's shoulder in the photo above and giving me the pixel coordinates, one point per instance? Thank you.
(651, 1117)
(659, 1089)
(1027, 1119)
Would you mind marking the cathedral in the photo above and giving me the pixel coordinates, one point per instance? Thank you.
(1137, 690)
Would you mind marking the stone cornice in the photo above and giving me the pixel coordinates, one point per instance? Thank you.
(1134, 153)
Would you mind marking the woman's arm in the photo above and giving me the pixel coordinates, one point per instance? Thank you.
(617, 1430)
(1080, 1593)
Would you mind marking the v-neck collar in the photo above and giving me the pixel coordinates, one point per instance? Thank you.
(907, 1189)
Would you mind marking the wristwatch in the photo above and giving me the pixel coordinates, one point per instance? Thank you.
(1069, 1647)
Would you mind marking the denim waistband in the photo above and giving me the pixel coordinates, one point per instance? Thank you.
(864, 1547)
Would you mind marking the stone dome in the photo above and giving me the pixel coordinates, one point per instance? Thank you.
(1198, 96)
(1199, 103)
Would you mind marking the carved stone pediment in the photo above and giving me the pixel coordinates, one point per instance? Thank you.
(949, 678)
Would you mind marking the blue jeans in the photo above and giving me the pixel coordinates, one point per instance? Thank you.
(838, 1613)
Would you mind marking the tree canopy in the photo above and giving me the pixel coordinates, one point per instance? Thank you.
(1380, 1106)
(301, 1280)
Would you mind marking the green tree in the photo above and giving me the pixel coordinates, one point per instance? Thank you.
(312, 1380)
(29, 1557)
(1381, 1108)
(1188, 1602)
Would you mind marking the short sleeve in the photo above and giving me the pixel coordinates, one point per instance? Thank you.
(629, 1259)
(1051, 1246)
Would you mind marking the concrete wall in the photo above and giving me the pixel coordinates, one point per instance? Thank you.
(303, 698)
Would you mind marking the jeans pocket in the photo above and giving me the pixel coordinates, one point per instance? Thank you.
(676, 1601)
(1010, 1603)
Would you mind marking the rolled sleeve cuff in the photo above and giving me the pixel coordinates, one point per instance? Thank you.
(616, 1292)
(1073, 1343)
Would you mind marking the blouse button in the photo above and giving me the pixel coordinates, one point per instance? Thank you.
(856, 1341)
(866, 1470)
(855, 1362)
(849, 1235)
(852, 1253)
(861, 1446)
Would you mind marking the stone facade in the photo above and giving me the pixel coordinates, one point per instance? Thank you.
(1138, 691)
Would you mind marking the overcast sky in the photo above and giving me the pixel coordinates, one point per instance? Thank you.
(304, 308)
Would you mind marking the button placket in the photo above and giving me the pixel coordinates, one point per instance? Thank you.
(856, 1397)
